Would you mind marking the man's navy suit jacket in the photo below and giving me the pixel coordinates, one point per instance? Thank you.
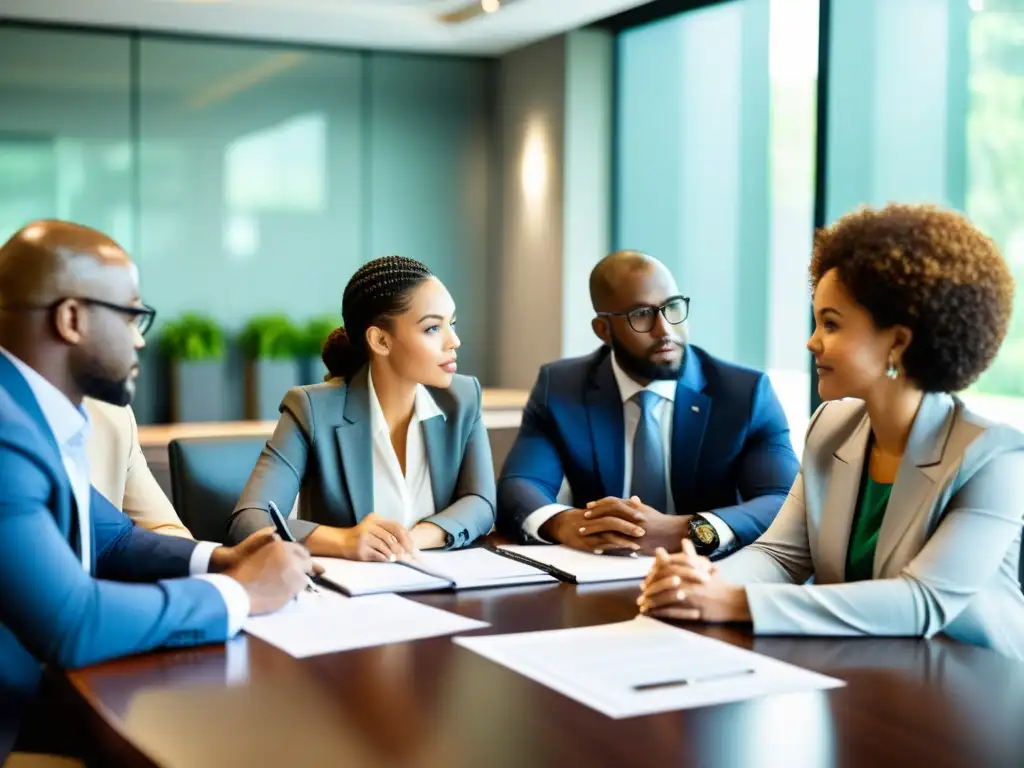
(731, 451)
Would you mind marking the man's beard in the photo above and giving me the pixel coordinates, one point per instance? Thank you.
(93, 382)
(643, 367)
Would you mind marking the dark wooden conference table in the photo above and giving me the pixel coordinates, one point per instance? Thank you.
(431, 703)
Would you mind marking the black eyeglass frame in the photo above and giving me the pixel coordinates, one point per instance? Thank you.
(143, 315)
(633, 314)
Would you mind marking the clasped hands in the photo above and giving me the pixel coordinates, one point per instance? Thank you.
(376, 539)
(613, 524)
(687, 587)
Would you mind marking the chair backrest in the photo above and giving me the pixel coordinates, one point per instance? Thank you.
(208, 475)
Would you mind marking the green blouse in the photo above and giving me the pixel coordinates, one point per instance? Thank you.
(860, 555)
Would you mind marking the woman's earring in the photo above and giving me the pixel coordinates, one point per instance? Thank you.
(892, 372)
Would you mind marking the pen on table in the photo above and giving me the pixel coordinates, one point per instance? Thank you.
(693, 680)
(285, 533)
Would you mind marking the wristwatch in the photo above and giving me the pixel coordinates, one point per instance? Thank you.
(704, 536)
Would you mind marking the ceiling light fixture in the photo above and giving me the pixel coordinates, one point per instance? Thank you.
(474, 9)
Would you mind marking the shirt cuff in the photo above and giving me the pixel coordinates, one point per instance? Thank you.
(200, 560)
(236, 599)
(456, 532)
(726, 536)
(536, 519)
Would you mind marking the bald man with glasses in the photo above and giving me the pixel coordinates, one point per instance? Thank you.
(650, 440)
(118, 468)
(81, 583)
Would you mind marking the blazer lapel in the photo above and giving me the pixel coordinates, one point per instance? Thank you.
(607, 428)
(690, 415)
(439, 459)
(355, 446)
(915, 478)
(12, 380)
(15, 384)
(841, 500)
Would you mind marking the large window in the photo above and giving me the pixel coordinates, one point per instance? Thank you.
(715, 156)
(793, 73)
(65, 138)
(234, 166)
(248, 179)
(927, 105)
(995, 179)
(715, 164)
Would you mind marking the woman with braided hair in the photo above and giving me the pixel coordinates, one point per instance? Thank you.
(390, 452)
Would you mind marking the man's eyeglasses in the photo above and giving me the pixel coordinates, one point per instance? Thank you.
(142, 315)
(642, 319)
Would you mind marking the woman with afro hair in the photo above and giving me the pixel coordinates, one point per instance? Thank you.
(905, 519)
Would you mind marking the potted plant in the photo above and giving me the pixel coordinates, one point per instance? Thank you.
(269, 344)
(194, 346)
(311, 342)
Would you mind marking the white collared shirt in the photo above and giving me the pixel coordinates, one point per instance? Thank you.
(664, 410)
(70, 427)
(409, 498)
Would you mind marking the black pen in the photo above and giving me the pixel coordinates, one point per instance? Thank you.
(692, 680)
(285, 533)
(279, 522)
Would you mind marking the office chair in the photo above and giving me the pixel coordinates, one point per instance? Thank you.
(208, 475)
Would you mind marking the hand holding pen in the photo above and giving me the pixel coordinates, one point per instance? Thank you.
(271, 571)
(281, 526)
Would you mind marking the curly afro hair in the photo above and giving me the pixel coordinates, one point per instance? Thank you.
(932, 271)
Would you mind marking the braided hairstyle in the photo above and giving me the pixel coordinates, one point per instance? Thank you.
(379, 291)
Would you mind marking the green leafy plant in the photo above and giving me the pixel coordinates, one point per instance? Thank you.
(270, 337)
(192, 337)
(315, 333)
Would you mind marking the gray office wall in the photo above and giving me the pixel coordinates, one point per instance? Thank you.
(555, 117)
(531, 116)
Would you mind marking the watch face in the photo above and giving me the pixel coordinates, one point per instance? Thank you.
(705, 533)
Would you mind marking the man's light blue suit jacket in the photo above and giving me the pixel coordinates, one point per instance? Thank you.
(51, 610)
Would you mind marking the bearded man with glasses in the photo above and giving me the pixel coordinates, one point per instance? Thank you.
(81, 583)
(118, 467)
(649, 440)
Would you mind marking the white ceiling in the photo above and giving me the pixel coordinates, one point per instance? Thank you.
(412, 25)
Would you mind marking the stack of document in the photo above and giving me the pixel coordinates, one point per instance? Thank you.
(459, 569)
(327, 622)
(668, 668)
(579, 567)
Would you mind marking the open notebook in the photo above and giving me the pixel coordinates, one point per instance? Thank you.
(458, 569)
(578, 567)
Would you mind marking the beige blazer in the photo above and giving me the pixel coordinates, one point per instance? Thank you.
(120, 472)
(948, 550)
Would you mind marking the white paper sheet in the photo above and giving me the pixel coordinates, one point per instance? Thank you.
(586, 664)
(327, 623)
(458, 569)
(584, 567)
(478, 567)
(360, 578)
